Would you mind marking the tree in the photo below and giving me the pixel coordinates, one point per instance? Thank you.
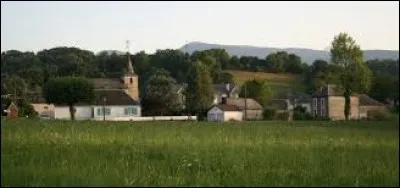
(257, 90)
(225, 77)
(353, 74)
(68, 91)
(277, 61)
(159, 98)
(199, 92)
(234, 63)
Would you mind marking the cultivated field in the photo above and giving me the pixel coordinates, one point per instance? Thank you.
(275, 80)
(64, 153)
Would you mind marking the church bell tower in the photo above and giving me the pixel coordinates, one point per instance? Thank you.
(130, 79)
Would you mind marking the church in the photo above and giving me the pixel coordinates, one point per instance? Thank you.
(117, 99)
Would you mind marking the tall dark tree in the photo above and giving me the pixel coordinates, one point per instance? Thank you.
(199, 92)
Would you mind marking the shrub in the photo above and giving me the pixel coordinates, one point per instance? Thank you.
(269, 114)
(283, 116)
(299, 113)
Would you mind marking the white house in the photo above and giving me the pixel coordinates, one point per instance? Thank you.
(224, 112)
(225, 91)
(115, 104)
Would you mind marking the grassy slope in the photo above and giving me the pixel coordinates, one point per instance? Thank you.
(57, 153)
(275, 80)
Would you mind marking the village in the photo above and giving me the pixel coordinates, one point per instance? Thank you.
(118, 100)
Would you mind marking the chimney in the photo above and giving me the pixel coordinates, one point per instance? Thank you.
(223, 101)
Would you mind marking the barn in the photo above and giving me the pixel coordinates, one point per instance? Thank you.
(224, 112)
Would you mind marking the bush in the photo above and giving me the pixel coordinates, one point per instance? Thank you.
(269, 114)
(378, 115)
(283, 116)
(299, 113)
(302, 116)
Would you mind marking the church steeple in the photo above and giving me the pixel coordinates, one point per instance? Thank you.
(130, 79)
(130, 71)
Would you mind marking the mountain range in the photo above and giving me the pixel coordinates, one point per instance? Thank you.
(307, 55)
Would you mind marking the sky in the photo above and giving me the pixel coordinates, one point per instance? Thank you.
(96, 26)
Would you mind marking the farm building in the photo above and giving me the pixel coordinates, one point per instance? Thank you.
(369, 105)
(253, 108)
(224, 112)
(329, 102)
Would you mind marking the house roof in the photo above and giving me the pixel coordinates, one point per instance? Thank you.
(329, 90)
(240, 103)
(13, 107)
(365, 100)
(227, 107)
(278, 104)
(107, 83)
(223, 88)
(113, 97)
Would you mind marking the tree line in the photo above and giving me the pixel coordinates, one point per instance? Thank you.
(25, 72)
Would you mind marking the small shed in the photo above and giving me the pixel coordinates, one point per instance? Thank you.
(12, 111)
(225, 112)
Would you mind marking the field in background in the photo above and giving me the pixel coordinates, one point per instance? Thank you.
(66, 153)
(275, 80)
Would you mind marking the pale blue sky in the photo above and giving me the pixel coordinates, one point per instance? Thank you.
(95, 26)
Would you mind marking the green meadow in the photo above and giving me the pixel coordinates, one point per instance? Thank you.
(264, 153)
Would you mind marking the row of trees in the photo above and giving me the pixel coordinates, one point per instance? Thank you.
(24, 72)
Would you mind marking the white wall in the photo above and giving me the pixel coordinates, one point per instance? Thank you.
(235, 115)
(85, 112)
(61, 112)
(150, 118)
(116, 112)
(215, 114)
(82, 112)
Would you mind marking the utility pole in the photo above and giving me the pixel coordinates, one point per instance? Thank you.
(245, 101)
(104, 109)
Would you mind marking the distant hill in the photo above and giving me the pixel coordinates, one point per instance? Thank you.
(307, 55)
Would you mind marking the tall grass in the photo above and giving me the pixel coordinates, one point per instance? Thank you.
(65, 153)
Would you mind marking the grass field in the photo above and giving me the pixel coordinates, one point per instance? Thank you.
(275, 80)
(64, 153)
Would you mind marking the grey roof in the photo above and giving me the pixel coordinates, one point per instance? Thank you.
(107, 83)
(227, 107)
(365, 100)
(113, 97)
(329, 90)
(293, 96)
(223, 89)
(240, 103)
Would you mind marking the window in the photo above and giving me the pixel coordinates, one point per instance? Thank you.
(45, 107)
(130, 80)
(322, 107)
(130, 110)
(315, 106)
(100, 111)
